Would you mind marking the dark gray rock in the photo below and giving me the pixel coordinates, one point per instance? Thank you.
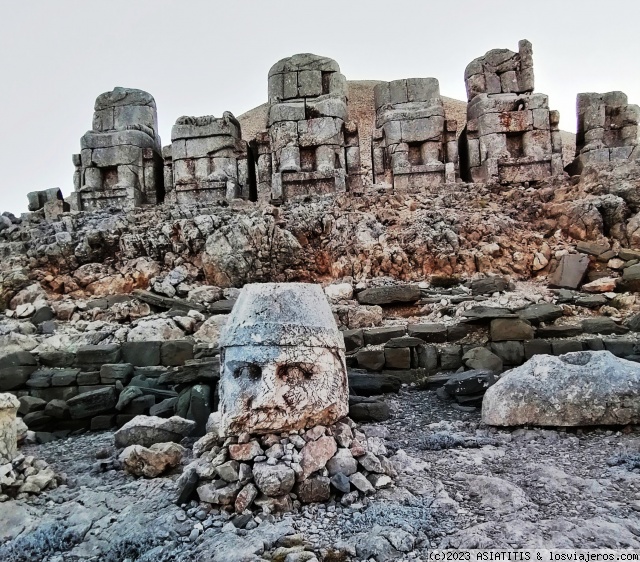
(565, 346)
(57, 358)
(142, 353)
(92, 403)
(29, 404)
(430, 333)
(164, 409)
(43, 314)
(372, 360)
(488, 285)
(592, 248)
(57, 409)
(341, 483)
(450, 357)
(65, 377)
(511, 352)
(89, 378)
(194, 371)
(98, 355)
(543, 312)
(377, 336)
(570, 271)
(457, 332)
(480, 314)
(389, 295)
(620, 348)
(41, 378)
(404, 341)
(602, 325)
(483, 359)
(110, 374)
(18, 359)
(537, 347)
(370, 411)
(470, 382)
(566, 331)
(397, 357)
(427, 357)
(633, 323)
(368, 384)
(591, 301)
(353, 340)
(15, 376)
(175, 353)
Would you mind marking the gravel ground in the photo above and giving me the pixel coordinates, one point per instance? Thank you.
(461, 485)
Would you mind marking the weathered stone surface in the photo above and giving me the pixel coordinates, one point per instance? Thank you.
(604, 326)
(314, 489)
(92, 403)
(376, 336)
(367, 384)
(507, 329)
(245, 451)
(9, 405)
(284, 366)
(273, 480)
(570, 271)
(576, 389)
(470, 382)
(389, 295)
(488, 285)
(148, 430)
(543, 312)
(142, 353)
(151, 462)
(370, 411)
(482, 358)
(315, 454)
(342, 463)
(353, 340)
(246, 497)
(220, 496)
(397, 358)
(174, 353)
(430, 333)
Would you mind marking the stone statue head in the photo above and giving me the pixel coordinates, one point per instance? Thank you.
(282, 361)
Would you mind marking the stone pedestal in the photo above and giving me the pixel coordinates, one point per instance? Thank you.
(8, 430)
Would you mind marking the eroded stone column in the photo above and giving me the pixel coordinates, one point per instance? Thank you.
(8, 430)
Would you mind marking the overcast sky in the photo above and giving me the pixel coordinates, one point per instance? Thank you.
(200, 57)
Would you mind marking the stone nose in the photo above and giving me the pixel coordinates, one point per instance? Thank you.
(270, 391)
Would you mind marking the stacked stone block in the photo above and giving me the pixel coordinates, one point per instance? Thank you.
(607, 129)
(512, 136)
(120, 164)
(306, 129)
(413, 145)
(207, 161)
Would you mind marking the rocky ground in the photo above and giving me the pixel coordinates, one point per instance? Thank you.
(461, 485)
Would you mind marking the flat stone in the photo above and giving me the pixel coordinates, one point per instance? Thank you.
(371, 360)
(92, 403)
(377, 336)
(177, 352)
(142, 353)
(602, 325)
(481, 358)
(570, 271)
(486, 314)
(565, 331)
(430, 333)
(148, 430)
(389, 295)
(543, 312)
(470, 382)
(375, 411)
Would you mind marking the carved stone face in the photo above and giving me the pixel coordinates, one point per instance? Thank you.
(272, 389)
(282, 361)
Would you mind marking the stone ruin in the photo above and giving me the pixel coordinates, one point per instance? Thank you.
(207, 161)
(607, 129)
(511, 135)
(306, 144)
(120, 163)
(413, 143)
(8, 429)
(312, 142)
(282, 361)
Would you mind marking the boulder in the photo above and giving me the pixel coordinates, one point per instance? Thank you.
(389, 295)
(151, 462)
(482, 358)
(149, 430)
(585, 388)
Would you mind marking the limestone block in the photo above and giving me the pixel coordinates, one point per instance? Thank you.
(594, 117)
(323, 130)
(493, 146)
(493, 84)
(452, 152)
(289, 111)
(381, 95)
(541, 119)
(201, 147)
(283, 134)
(476, 85)
(309, 83)
(537, 144)
(392, 132)
(338, 84)
(276, 88)
(556, 142)
(328, 106)
(473, 149)
(620, 153)
(353, 159)
(507, 122)
(526, 80)
(9, 405)
(509, 82)
(284, 365)
(420, 130)
(290, 85)
(290, 159)
(398, 91)
(422, 89)
(116, 155)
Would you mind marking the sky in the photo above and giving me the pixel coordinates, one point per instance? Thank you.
(200, 57)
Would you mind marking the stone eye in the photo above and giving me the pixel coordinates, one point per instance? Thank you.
(296, 371)
(250, 370)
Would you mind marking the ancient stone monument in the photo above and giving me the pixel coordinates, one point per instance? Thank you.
(120, 163)
(206, 161)
(511, 135)
(306, 129)
(413, 144)
(8, 430)
(282, 361)
(607, 129)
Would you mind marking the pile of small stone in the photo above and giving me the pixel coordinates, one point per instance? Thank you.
(25, 476)
(278, 473)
